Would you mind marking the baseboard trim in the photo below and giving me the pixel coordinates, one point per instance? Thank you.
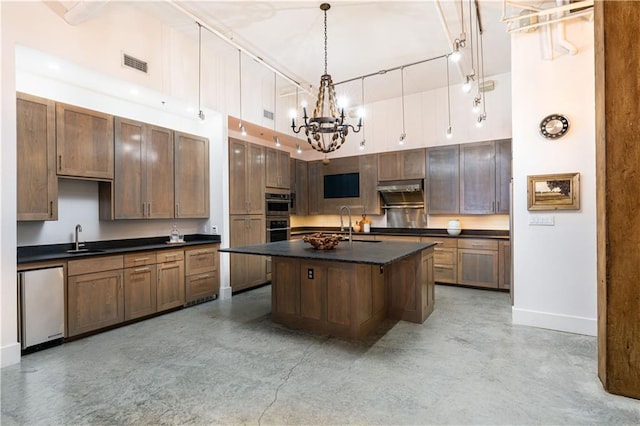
(10, 355)
(558, 322)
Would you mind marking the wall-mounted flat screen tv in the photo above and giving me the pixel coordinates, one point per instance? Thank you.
(344, 185)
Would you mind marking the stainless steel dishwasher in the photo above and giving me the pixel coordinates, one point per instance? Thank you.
(41, 307)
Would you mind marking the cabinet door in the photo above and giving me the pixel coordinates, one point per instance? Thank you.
(254, 179)
(478, 267)
(238, 157)
(139, 292)
(247, 270)
(202, 285)
(129, 169)
(170, 289)
(412, 164)
(272, 178)
(503, 175)
(283, 164)
(478, 178)
(256, 267)
(37, 183)
(443, 182)
(94, 301)
(159, 160)
(504, 264)
(368, 192)
(388, 166)
(237, 262)
(316, 187)
(191, 176)
(302, 189)
(84, 143)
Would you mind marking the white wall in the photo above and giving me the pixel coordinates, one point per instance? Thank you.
(555, 266)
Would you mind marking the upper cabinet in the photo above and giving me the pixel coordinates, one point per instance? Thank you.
(443, 180)
(398, 165)
(485, 169)
(315, 188)
(84, 143)
(300, 189)
(37, 183)
(246, 177)
(143, 183)
(277, 169)
(191, 176)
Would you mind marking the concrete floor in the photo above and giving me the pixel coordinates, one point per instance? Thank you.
(225, 362)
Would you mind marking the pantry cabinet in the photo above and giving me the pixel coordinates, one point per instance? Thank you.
(277, 169)
(246, 177)
(36, 180)
(191, 176)
(143, 182)
(84, 143)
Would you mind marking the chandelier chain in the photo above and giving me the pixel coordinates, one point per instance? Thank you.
(325, 42)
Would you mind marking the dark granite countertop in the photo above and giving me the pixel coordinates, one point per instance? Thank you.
(412, 232)
(369, 252)
(43, 253)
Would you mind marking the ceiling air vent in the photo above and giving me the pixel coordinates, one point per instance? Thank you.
(135, 63)
(267, 114)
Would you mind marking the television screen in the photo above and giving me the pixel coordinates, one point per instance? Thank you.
(345, 185)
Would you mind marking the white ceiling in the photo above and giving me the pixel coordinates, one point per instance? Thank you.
(363, 38)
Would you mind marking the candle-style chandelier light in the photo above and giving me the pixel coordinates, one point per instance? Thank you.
(325, 133)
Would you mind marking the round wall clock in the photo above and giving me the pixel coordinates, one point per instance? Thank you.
(554, 126)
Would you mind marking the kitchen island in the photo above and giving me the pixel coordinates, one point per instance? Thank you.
(349, 290)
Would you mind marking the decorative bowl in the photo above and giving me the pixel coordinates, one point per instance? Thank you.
(321, 241)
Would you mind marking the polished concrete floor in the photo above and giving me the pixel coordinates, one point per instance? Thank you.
(225, 362)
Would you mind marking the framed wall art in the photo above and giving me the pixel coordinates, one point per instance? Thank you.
(553, 192)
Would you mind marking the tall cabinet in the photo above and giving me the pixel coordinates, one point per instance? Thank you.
(191, 176)
(37, 183)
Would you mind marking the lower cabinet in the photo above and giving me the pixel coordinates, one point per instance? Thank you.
(247, 270)
(170, 290)
(95, 296)
(201, 273)
(478, 262)
(445, 258)
(140, 287)
(504, 264)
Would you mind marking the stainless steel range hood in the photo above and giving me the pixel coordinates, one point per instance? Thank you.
(402, 195)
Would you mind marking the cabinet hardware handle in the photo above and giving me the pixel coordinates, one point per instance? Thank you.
(493, 205)
(204, 276)
(476, 245)
(498, 206)
(177, 209)
(141, 270)
(50, 208)
(149, 209)
(59, 162)
(140, 259)
(143, 209)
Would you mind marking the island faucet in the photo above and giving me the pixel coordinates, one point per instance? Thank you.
(78, 229)
(342, 222)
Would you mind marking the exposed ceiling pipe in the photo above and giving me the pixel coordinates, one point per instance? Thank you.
(562, 39)
(567, 7)
(445, 26)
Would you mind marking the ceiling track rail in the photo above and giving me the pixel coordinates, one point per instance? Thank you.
(584, 7)
(241, 48)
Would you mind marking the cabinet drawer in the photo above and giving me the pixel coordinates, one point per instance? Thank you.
(445, 273)
(441, 241)
(200, 260)
(201, 285)
(169, 256)
(445, 256)
(139, 259)
(478, 244)
(97, 264)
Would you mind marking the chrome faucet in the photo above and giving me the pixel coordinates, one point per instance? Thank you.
(78, 229)
(342, 222)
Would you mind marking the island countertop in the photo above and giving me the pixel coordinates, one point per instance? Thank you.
(367, 252)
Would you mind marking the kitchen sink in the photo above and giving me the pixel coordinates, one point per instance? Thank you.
(84, 250)
(365, 241)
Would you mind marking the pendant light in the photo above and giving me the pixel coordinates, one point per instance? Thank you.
(332, 126)
(276, 139)
(480, 62)
(403, 135)
(363, 141)
(449, 134)
(243, 130)
(200, 113)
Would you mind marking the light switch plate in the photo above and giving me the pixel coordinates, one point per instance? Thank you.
(541, 220)
(214, 229)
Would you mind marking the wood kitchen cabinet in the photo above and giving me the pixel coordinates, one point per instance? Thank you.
(201, 273)
(143, 182)
(398, 165)
(445, 259)
(84, 143)
(36, 180)
(277, 169)
(247, 270)
(191, 191)
(485, 170)
(478, 262)
(504, 265)
(170, 290)
(140, 285)
(300, 189)
(315, 194)
(368, 167)
(95, 296)
(443, 180)
(246, 178)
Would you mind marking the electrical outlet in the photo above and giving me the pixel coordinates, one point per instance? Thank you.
(310, 273)
(214, 229)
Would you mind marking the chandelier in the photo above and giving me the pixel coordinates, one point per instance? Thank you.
(325, 133)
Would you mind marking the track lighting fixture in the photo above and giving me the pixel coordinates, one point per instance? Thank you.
(362, 144)
(449, 134)
(276, 139)
(298, 149)
(403, 135)
(481, 119)
(476, 104)
(456, 55)
(200, 113)
(466, 87)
